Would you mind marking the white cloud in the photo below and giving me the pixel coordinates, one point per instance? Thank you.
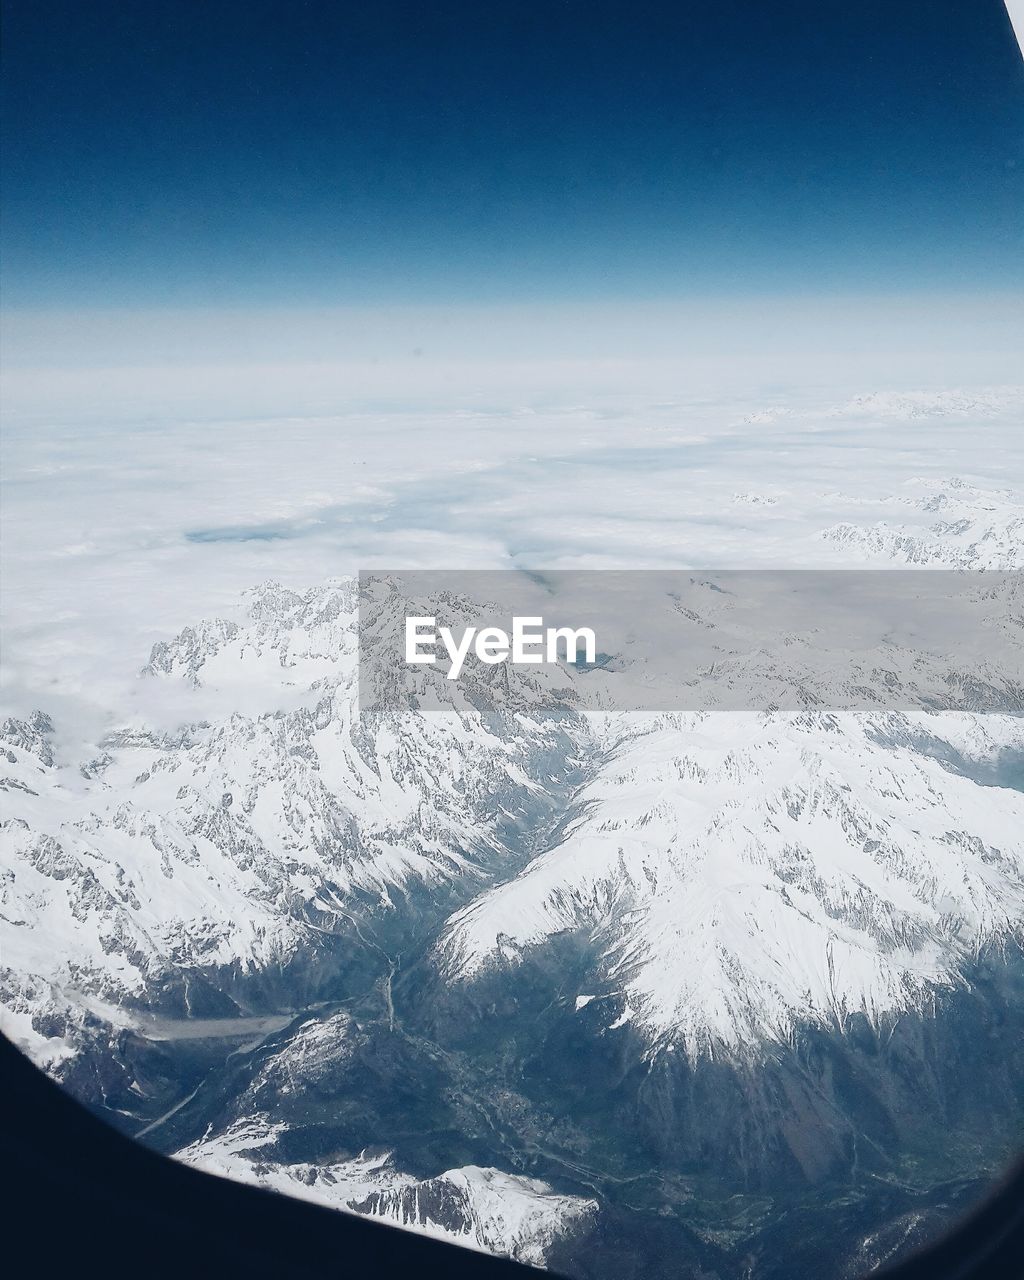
(138, 499)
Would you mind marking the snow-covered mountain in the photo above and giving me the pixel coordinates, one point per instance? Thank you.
(480, 1207)
(231, 848)
(950, 526)
(739, 876)
(480, 971)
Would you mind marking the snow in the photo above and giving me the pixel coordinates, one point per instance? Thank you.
(739, 875)
(206, 796)
(735, 892)
(483, 1208)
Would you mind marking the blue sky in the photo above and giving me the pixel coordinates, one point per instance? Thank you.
(285, 154)
(360, 270)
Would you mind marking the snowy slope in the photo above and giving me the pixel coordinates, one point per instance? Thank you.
(950, 525)
(241, 843)
(483, 1209)
(736, 875)
(739, 876)
(729, 878)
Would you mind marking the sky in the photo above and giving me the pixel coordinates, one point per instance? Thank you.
(264, 154)
(290, 290)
